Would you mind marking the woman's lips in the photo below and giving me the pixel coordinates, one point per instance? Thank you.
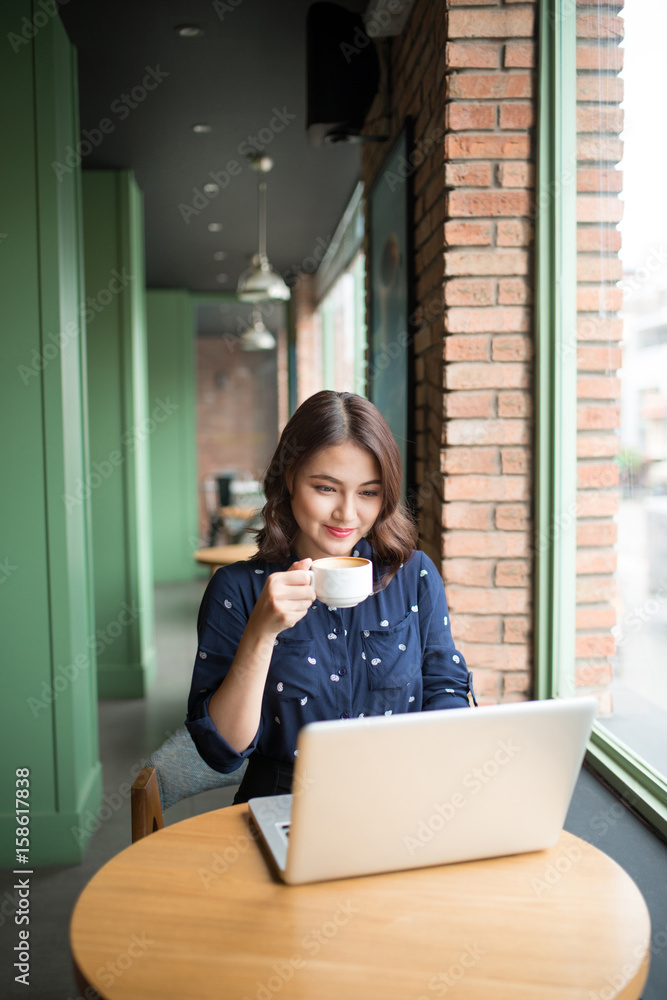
(339, 532)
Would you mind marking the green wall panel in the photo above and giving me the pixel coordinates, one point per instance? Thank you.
(48, 713)
(120, 430)
(173, 448)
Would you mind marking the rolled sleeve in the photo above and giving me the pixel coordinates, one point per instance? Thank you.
(446, 680)
(223, 616)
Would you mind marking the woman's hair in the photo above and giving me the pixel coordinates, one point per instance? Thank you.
(331, 418)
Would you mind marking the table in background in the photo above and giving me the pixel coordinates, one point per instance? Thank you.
(192, 912)
(223, 555)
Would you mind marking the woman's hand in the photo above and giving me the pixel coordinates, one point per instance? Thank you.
(284, 600)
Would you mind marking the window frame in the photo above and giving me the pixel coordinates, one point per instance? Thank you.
(556, 376)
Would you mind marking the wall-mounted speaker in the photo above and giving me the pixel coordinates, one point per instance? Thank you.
(343, 74)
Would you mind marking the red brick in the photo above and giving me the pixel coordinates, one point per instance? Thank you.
(596, 476)
(599, 89)
(485, 544)
(601, 147)
(599, 119)
(487, 686)
(500, 656)
(468, 233)
(599, 26)
(470, 572)
(468, 174)
(605, 387)
(472, 3)
(596, 418)
(514, 292)
(478, 628)
(596, 561)
(470, 404)
(467, 461)
(488, 86)
(491, 24)
(596, 239)
(599, 359)
(485, 432)
(596, 268)
(596, 617)
(497, 601)
(500, 319)
(488, 203)
(516, 175)
(599, 57)
(599, 180)
(473, 375)
(487, 147)
(517, 115)
(515, 461)
(598, 445)
(594, 645)
(592, 209)
(517, 629)
(471, 117)
(513, 517)
(597, 504)
(599, 298)
(472, 55)
(487, 488)
(595, 590)
(473, 516)
(518, 683)
(597, 533)
(591, 674)
(520, 55)
(597, 328)
(514, 404)
(514, 234)
(512, 573)
(469, 292)
(511, 348)
(463, 348)
(470, 262)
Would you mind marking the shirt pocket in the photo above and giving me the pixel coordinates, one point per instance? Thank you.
(295, 670)
(393, 655)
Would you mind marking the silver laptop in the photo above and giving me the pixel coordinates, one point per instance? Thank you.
(393, 792)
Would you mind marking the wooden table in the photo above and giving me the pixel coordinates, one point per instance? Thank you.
(193, 912)
(223, 555)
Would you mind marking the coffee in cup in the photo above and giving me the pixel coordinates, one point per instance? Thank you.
(342, 581)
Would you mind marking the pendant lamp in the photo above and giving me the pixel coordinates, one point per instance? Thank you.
(260, 282)
(257, 337)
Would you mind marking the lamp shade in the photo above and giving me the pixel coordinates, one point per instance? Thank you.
(260, 282)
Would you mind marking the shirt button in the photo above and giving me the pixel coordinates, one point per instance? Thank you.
(342, 671)
(338, 631)
(344, 715)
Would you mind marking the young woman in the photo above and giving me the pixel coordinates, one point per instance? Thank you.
(271, 657)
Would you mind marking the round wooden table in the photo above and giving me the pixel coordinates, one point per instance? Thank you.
(193, 912)
(223, 555)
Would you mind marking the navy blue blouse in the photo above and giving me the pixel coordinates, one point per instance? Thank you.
(392, 653)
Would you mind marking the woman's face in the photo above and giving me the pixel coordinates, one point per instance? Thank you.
(336, 497)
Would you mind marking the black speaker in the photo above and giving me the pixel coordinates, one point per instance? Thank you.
(343, 74)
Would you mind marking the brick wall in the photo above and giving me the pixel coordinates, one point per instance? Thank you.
(465, 72)
(598, 335)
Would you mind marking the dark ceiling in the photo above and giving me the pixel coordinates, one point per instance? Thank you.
(245, 76)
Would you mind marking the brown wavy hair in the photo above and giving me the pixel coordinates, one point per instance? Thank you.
(331, 418)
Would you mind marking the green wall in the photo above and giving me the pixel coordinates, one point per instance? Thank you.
(121, 425)
(48, 715)
(173, 446)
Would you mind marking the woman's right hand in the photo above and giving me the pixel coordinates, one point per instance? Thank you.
(284, 600)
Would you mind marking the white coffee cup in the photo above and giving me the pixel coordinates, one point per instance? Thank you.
(342, 581)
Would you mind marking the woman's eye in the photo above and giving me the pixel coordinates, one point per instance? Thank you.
(324, 488)
(370, 493)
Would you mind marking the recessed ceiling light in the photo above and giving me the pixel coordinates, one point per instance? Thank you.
(222, 278)
(220, 255)
(214, 227)
(211, 188)
(189, 30)
(202, 127)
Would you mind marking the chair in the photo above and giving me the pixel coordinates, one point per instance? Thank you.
(173, 772)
